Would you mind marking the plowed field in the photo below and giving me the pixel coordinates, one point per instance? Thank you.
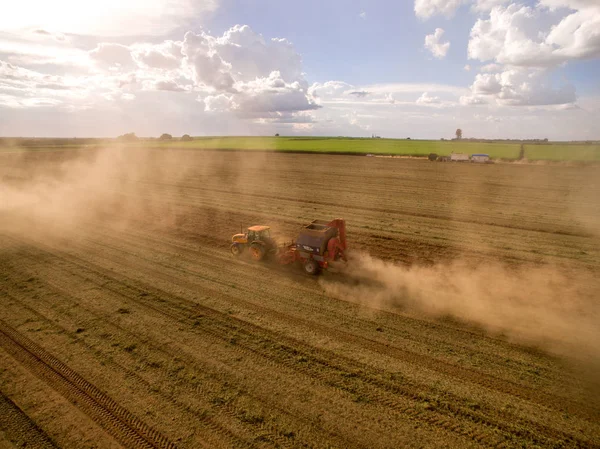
(467, 315)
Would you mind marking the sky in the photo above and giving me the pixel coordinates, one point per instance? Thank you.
(419, 68)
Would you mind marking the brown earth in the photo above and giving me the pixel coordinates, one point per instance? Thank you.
(467, 316)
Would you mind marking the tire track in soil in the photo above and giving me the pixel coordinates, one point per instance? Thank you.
(320, 373)
(321, 310)
(210, 424)
(125, 427)
(330, 205)
(20, 429)
(185, 355)
(458, 332)
(275, 434)
(443, 367)
(288, 354)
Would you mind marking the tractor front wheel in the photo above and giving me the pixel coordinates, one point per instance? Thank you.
(311, 267)
(257, 251)
(236, 249)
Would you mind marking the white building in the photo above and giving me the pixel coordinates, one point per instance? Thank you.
(459, 157)
(482, 158)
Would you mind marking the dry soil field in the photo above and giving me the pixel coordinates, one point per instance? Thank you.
(467, 315)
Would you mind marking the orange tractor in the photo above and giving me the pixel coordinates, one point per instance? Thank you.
(317, 244)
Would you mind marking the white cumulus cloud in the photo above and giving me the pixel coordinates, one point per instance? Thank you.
(530, 36)
(433, 43)
(112, 55)
(425, 9)
(427, 99)
(166, 55)
(519, 87)
(487, 5)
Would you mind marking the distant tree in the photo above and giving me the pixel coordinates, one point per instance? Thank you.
(546, 140)
(165, 137)
(277, 135)
(186, 138)
(128, 137)
(459, 133)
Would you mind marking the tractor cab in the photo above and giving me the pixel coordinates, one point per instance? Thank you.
(260, 233)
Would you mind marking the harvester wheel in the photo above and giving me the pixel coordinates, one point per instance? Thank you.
(311, 267)
(257, 251)
(236, 249)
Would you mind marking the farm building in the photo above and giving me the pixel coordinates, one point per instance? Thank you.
(459, 157)
(482, 158)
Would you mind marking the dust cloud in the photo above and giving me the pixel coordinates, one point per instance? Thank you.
(60, 194)
(542, 306)
(117, 186)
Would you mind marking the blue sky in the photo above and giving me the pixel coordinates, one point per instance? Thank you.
(495, 68)
(336, 43)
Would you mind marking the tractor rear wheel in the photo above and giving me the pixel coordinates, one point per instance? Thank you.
(236, 249)
(311, 267)
(257, 251)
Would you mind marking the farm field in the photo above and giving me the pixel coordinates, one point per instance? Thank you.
(467, 315)
(553, 151)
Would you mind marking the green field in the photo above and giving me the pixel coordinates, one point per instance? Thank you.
(342, 145)
(398, 147)
(563, 152)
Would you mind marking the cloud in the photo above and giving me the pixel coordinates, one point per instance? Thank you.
(435, 46)
(106, 17)
(383, 96)
(168, 85)
(427, 99)
(55, 36)
(363, 15)
(209, 69)
(109, 55)
(252, 56)
(25, 85)
(414, 88)
(467, 68)
(258, 76)
(239, 70)
(272, 94)
(519, 87)
(218, 103)
(166, 55)
(328, 90)
(571, 4)
(239, 82)
(425, 9)
(491, 68)
(487, 84)
(532, 37)
(41, 53)
(487, 5)
(300, 118)
(472, 100)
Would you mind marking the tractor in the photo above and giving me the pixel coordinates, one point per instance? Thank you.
(318, 243)
(257, 240)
